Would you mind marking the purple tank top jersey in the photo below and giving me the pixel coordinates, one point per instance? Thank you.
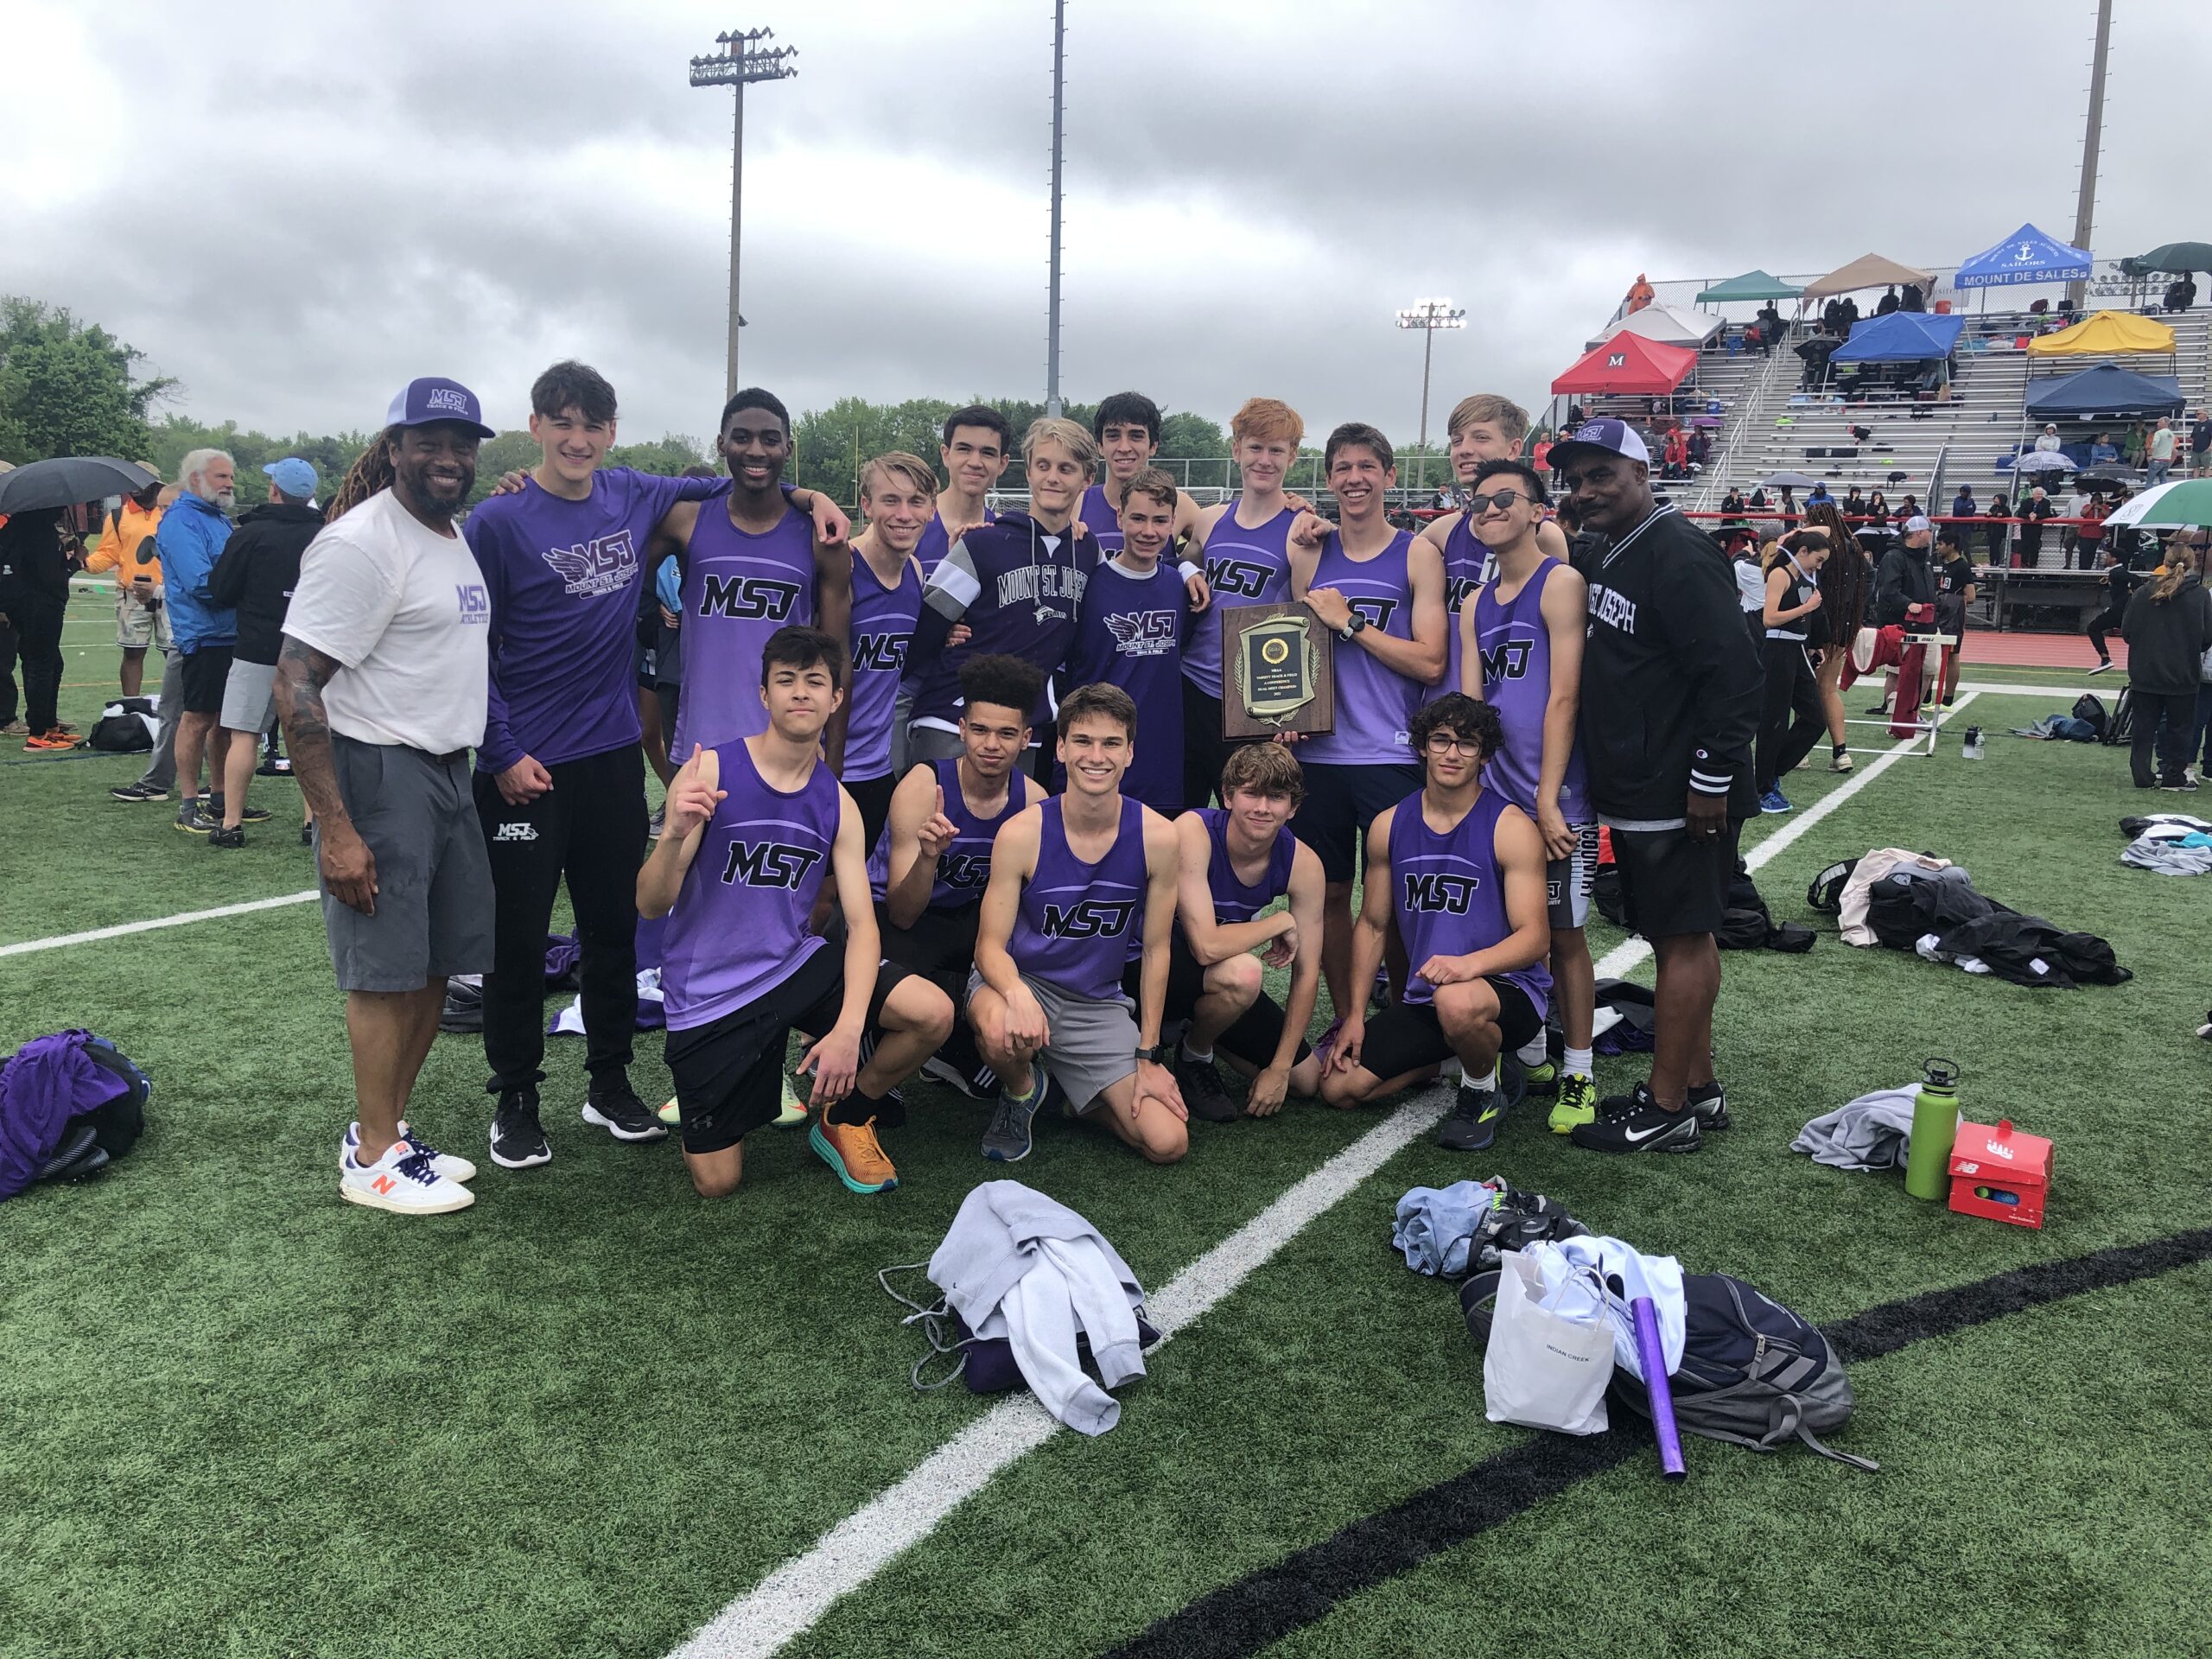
(737, 589)
(1468, 565)
(1129, 633)
(1078, 921)
(1516, 650)
(1451, 898)
(1101, 520)
(1375, 705)
(1244, 567)
(883, 622)
(935, 544)
(1232, 900)
(739, 927)
(964, 869)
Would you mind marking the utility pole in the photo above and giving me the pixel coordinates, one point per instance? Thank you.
(1428, 316)
(744, 58)
(2085, 211)
(1052, 405)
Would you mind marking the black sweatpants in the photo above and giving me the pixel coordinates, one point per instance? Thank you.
(588, 829)
(2105, 623)
(38, 628)
(1791, 687)
(7, 675)
(2169, 720)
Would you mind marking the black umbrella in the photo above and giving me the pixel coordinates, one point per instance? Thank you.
(2106, 472)
(1818, 346)
(69, 479)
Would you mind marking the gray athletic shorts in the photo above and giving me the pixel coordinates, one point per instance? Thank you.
(417, 813)
(248, 697)
(1094, 1044)
(1567, 881)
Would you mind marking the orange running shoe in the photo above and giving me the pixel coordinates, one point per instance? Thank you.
(853, 1151)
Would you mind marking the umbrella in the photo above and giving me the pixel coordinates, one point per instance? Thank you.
(1788, 481)
(2106, 472)
(1818, 346)
(2043, 461)
(68, 480)
(2183, 256)
(2181, 505)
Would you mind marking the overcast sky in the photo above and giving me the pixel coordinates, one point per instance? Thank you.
(294, 208)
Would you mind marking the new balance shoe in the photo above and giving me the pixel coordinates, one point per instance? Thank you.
(137, 794)
(226, 837)
(1473, 1123)
(1203, 1097)
(613, 1105)
(1577, 1104)
(451, 1165)
(1006, 1139)
(518, 1137)
(403, 1181)
(853, 1152)
(1637, 1123)
(193, 819)
(1710, 1102)
(1774, 801)
(982, 1084)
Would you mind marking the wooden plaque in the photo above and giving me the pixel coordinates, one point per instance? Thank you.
(1278, 672)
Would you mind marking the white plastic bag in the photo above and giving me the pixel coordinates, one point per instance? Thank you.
(1549, 1356)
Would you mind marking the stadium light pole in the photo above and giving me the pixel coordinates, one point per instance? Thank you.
(1428, 316)
(1052, 405)
(744, 58)
(2085, 208)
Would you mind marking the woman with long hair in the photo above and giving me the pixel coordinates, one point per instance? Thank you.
(1847, 578)
(1793, 721)
(1877, 509)
(2169, 629)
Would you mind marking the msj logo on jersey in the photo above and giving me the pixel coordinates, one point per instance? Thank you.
(769, 864)
(1143, 633)
(1378, 611)
(476, 603)
(1089, 919)
(748, 599)
(964, 869)
(1508, 660)
(1446, 895)
(884, 652)
(597, 568)
(1238, 578)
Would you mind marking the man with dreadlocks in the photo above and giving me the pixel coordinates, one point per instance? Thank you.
(382, 684)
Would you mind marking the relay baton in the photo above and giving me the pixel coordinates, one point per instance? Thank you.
(1652, 1353)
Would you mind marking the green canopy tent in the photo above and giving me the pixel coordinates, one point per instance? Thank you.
(1751, 285)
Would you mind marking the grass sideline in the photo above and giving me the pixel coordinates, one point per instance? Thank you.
(245, 1419)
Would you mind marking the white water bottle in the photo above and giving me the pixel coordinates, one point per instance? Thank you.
(1973, 751)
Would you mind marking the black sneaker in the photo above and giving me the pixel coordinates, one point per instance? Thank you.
(1710, 1102)
(233, 836)
(253, 815)
(517, 1139)
(306, 835)
(2105, 667)
(1202, 1093)
(2180, 786)
(137, 794)
(613, 1105)
(1473, 1123)
(1007, 1141)
(193, 819)
(982, 1084)
(1636, 1123)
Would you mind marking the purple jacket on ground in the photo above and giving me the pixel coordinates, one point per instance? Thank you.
(46, 1083)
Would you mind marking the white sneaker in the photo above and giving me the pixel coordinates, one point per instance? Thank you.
(450, 1164)
(403, 1182)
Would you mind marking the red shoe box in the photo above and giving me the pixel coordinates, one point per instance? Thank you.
(2012, 1169)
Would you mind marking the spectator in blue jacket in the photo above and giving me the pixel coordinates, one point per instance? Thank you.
(190, 540)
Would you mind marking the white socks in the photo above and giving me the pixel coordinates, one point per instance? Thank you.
(1536, 1050)
(1576, 1062)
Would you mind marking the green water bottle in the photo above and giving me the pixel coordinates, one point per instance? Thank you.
(1935, 1126)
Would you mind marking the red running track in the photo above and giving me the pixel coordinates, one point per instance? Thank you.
(2060, 650)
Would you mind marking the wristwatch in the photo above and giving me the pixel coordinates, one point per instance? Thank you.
(1353, 624)
(1158, 1053)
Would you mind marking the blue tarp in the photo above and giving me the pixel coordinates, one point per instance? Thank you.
(1901, 337)
(2027, 255)
(2106, 390)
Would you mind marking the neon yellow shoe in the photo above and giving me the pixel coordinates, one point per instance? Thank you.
(1576, 1103)
(1542, 1079)
(794, 1110)
(669, 1115)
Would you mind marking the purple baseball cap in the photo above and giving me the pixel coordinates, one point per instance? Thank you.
(1614, 437)
(434, 398)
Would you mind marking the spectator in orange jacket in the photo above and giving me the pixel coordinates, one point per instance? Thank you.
(126, 547)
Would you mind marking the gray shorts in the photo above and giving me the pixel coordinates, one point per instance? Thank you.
(1094, 1044)
(1568, 881)
(248, 697)
(433, 918)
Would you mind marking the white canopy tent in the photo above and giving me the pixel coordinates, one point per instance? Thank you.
(1667, 324)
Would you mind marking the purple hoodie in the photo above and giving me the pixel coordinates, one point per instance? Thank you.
(46, 1083)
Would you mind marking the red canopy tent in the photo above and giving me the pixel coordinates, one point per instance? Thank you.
(1628, 363)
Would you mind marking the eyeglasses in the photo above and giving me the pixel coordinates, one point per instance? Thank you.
(1445, 743)
(1503, 500)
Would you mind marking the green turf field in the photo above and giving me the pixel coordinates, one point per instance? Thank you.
(243, 1418)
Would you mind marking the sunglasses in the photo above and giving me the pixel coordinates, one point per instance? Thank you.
(1503, 501)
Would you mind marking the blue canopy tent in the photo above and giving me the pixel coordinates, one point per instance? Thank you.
(1901, 337)
(2027, 255)
(2106, 390)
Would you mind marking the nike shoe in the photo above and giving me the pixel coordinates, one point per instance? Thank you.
(2105, 667)
(793, 1111)
(450, 1164)
(613, 1105)
(1774, 801)
(1007, 1141)
(518, 1137)
(1710, 1102)
(1202, 1093)
(1473, 1123)
(1840, 763)
(853, 1152)
(671, 1114)
(403, 1181)
(1637, 1123)
(137, 794)
(50, 739)
(982, 1084)
(1577, 1104)
(1542, 1078)
(193, 819)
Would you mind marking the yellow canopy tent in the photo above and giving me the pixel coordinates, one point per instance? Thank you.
(2105, 333)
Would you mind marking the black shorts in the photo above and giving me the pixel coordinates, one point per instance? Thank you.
(1409, 1036)
(1672, 883)
(1253, 1037)
(1205, 751)
(941, 945)
(1340, 802)
(207, 672)
(728, 1072)
(873, 797)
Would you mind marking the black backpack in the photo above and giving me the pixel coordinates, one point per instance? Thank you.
(91, 1140)
(126, 727)
(2090, 708)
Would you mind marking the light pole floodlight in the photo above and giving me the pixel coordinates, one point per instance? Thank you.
(1428, 314)
(743, 60)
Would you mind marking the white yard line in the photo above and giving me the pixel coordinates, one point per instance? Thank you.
(122, 929)
(792, 1599)
(2006, 688)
